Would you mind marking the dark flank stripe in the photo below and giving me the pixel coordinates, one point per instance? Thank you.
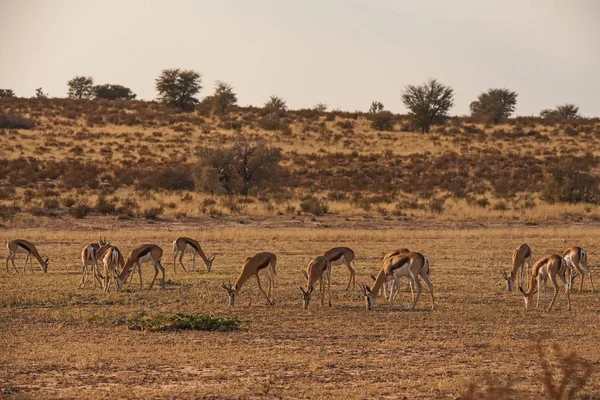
(337, 256)
(192, 244)
(24, 246)
(263, 265)
(145, 252)
(400, 263)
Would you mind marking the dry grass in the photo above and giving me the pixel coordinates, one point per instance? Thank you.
(63, 342)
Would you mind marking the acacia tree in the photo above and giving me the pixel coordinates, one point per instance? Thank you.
(113, 92)
(381, 119)
(561, 113)
(81, 87)
(238, 168)
(494, 106)
(179, 88)
(428, 103)
(6, 93)
(39, 94)
(275, 103)
(223, 97)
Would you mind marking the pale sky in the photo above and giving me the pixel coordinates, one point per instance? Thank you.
(341, 53)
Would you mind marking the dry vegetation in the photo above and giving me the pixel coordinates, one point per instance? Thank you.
(64, 342)
(144, 160)
(136, 172)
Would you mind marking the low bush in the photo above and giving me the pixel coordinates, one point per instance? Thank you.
(312, 205)
(15, 122)
(179, 321)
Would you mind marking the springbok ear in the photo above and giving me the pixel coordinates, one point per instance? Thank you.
(211, 257)
(373, 277)
(302, 290)
(368, 289)
(47, 260)
(521, 290)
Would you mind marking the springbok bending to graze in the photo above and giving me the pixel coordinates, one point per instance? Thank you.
(262, 264)
(113, 262)
(138, 256)
(23, 246)
(520, 257)
(576, 258)
(550, 266)
(339, 256)
(317, 269)
(187, 245)
(410, 265)
(90, 256)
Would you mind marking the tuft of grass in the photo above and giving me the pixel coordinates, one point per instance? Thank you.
(180, 321)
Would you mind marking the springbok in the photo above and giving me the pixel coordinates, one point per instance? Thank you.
(520, 257)
(339, 256)
(550, 266)
(576, 258)
(410, 265)
(188, 245)
(23, 246)
(317, 269)
(138, 256)
(262, 264)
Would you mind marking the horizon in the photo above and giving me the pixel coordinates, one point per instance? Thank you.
(545, 54)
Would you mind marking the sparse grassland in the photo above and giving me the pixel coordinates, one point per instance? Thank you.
(64, 342)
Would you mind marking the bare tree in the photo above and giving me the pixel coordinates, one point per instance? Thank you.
(81, 87)
(179, 88)
(428, 103)
(376, 106)
(39, 94)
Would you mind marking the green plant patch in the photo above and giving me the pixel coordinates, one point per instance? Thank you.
(179, 321)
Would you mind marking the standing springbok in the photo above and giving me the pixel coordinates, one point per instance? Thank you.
(520, 257)
(317, 269)
(262, 264)
(339, 256)
(23, 246)
(187, 245)
(138, 256)
(90, 256)
(113, 262)
(550, 266)
(410, 265)
(576, 258)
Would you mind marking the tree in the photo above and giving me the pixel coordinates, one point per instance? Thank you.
(81, 87)
(320, 107)
(238, 168)
(494, 106)
(6, 93)
(275, 104)
(428, 103)
(376, 106)
(113, 92)
(39, 93)
(179, 88)
(381, 120)
(223, 97)
(561, 113)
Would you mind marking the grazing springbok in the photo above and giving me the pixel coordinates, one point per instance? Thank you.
(576, 258)
(138, 256)
(550, 266)
(410, 265)
(339, 256)
(187, 245)
(262, 264)
(90, 256)
(521, 256)
(317, 270)
(113, 262)
(23, 246)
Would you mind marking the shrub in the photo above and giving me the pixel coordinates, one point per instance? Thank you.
(7, 213)
(494, 106)
(15, 122)
(312, 205)
(179, 321)
(177, 177)
(382, 121)
(105, 206)
(153, 212)
(80, 211)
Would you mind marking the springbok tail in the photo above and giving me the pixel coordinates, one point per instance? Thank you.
(90, 253)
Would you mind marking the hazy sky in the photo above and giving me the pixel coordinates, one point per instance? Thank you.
(342, 53)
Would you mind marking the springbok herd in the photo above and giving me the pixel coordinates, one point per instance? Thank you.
(396, 264)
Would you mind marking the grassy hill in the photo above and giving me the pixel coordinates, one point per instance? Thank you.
(143, 160)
